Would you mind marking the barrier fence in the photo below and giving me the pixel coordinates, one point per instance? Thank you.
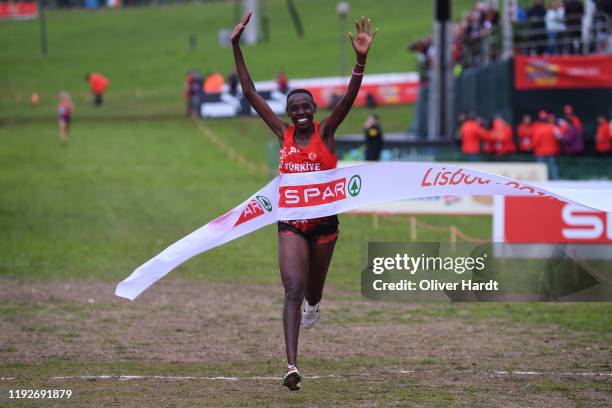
(455, 234)
(582, 35)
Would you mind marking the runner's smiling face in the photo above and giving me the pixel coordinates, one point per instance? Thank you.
(301, 109)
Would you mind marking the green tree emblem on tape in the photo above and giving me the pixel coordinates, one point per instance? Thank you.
(354, 185)
(265, 203)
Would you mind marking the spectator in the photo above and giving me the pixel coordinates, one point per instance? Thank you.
(524, 133)
(603, 137)
(489, 16)
(473, 40)
(521, 14)
(461, 118)
(187, 90)
(214, 83)
(572, 118)
(488, 146)
(232, 82)
(335, 97)
(196, 92)
(424, 53)
(458, 30)
(97, 84)
(535, 16)
(65, 107)
(472, 136)
(370, 101)
(374, 137)
(572, 141)
(281, 81)
(574, 10)
(605, 6)
(555, 26)
(503, 134)
(546, 144)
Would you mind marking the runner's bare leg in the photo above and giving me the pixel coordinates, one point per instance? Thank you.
(293, 261)
(319, 260)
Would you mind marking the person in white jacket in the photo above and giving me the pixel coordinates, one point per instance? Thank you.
(555, 26)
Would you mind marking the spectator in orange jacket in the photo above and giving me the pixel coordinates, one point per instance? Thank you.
(214, 83)
(546, 144)
(97, 84)
(505, 139)
(603, 137)
(488, 146)
(472, 136)
(524, 133)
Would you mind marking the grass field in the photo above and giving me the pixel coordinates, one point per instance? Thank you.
(136, 176)
(77, 219)
(145, 51)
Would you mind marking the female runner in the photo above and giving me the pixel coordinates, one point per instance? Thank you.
(65, 107)
(305, 247)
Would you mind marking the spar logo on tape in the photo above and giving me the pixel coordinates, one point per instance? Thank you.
(309, 195)
(354, 185)
(265, 203)
(254, 209)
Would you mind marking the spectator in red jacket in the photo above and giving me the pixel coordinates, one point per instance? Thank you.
(545, 136)
(282, 82)
(603, 137)
(488, 146)
(97, 84)
(524, 133)
(505, 138)
(472, 136)
(187, 90)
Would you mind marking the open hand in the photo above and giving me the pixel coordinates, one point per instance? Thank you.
(237, 31)
(362, 41)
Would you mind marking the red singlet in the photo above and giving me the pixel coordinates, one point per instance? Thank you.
(314, 157)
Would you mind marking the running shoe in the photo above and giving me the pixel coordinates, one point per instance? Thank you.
(293, 379)
(310, 315)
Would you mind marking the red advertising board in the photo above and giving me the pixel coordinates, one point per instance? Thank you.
(547, 220)
(19, 10)
(383, 94)
(562, 72)
(386, 89)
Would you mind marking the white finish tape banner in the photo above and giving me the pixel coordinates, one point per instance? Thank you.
(322, 193)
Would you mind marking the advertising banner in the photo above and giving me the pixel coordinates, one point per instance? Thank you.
(382, 89)
(562, 72)
(540, 220)
(455, 204)
(22, 10)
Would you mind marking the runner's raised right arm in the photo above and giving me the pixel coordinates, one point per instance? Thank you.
(248, 88)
